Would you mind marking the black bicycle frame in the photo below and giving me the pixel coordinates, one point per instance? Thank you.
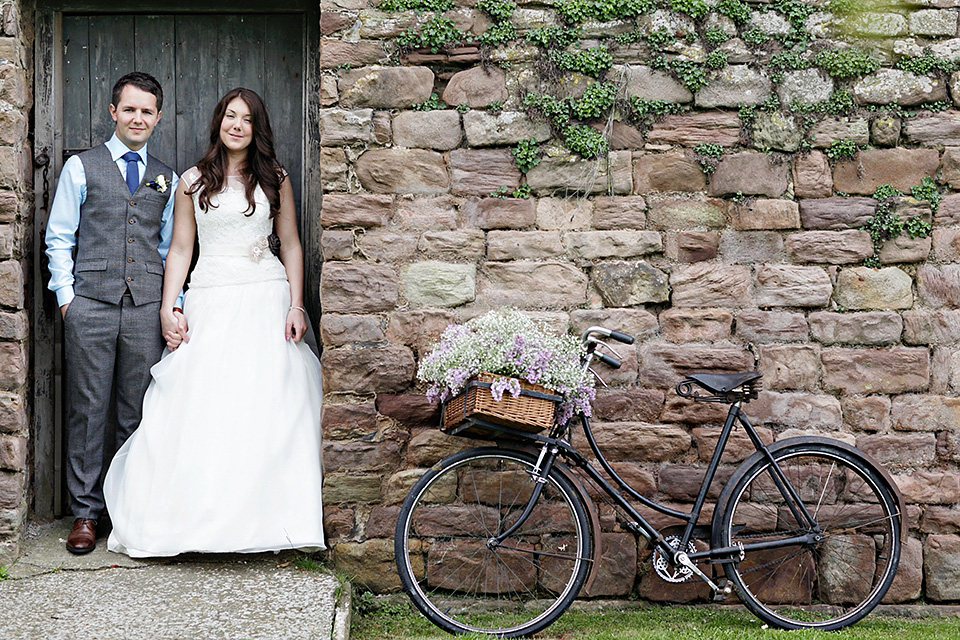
(556, 445)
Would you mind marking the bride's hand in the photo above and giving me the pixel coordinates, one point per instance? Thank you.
(296, 324)
(173, 324)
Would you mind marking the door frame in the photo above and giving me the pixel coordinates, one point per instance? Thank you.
(47, 409)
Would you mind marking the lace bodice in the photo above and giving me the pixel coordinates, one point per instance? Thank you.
(230, 239)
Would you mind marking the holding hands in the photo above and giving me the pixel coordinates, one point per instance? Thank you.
(174, 326)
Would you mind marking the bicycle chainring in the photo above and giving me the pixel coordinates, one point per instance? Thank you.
(667, 571)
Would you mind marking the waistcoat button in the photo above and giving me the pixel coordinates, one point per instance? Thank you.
(129, 259)
(133, 203)
(132, 221)
(129, 279)
(129, 239)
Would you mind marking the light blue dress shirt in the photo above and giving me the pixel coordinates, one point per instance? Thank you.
(65, 217)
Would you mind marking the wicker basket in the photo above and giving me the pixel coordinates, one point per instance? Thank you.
(532, 411)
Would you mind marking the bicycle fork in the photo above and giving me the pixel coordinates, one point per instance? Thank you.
(548, 453)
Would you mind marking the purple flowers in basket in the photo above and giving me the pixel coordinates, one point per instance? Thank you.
(508, 343)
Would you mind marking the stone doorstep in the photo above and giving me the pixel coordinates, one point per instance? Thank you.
(163, 595)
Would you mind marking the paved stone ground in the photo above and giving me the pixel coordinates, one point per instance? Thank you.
(53, 594)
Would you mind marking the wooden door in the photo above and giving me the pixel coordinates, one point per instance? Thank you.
(198, 51)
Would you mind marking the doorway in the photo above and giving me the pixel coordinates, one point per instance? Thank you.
(198, 52)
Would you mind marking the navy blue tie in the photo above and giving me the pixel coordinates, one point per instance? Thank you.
(133, 171)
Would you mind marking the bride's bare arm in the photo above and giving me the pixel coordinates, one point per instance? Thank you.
(174, 324)
(291, 254)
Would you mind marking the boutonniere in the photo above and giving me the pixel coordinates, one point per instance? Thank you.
(161, 184)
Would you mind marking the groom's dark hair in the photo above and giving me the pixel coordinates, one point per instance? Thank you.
(142, 81)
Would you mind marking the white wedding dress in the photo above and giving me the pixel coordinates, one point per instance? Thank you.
(227, 457)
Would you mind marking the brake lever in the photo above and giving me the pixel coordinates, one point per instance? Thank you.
(597, 376)
(600, 343)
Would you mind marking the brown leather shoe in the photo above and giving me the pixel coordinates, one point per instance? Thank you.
(83, 537)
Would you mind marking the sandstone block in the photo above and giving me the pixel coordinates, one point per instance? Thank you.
(617, 570)
(438, 129)
(677, 409)
(865, 288)
(931, 22)
(589, 245)
(9, 206)
(346, 126)
(667, 172)
(623, 136)
(370, 563)
(336, 245)
(925, 413)
(485, 129)
(929, 487)
(385, 87)
(872, 328)
(13, 415)
(500, 213)
(733, 85)
(749, 247)
(335, 52)
(948, 446)
(897, 370)
(682, 482)
(689, 130)
(836, 213)
(941, 567)
(339, 329)
(13, 365)
(829, 247)
(892, 86)
(908, 583)
(902, 168)
(347, 455)
(418, 328)
(380, 245)
(934, 129)
(800, 410)
(623, 284)
(355, 210)
(776, 131)
(439, 284)
(772, 326)
(670, 361)
(807, 86)
(760, 215)
(11, 489)
(790, 366)
(465, 244)
(426, 213)
(694, 325)
(812, 177)
(386, 369)
(358, 288)
(329, 95)
(563, 214)
(652, 84)
(739, 447)
(829, 130)
(382, 522)
(477, 87)
(14, 326)
(398, 170)
(885, 131)
(940, 520)
(532, 285)
(523, 245)
(638, 441)
(790, 286)
(334, 169)
(903, 248)
(900, 450)
(432, 445)
(750, 174)
(619, 212)
(348, 421)
(575, 174)
(638, 323)
(13, 453)
(410, 410)
(628, 405)
(938, 287)
(686, 213)
(395, 491)
(482, 171)
(866, 414)
(692, 246)
(931, 327)
(711, 285)
(951, 166)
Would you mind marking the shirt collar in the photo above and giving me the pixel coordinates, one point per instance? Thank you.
(117, 149)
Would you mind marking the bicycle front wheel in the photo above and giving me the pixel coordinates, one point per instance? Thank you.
(827, 583)
(463, 580)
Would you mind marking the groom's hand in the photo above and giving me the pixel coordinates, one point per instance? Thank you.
(63, 311)
(182, 327)
(174, 327)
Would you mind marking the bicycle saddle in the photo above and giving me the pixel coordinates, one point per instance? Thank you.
(723, 382)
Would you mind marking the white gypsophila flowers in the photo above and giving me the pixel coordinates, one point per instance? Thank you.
(508, 343)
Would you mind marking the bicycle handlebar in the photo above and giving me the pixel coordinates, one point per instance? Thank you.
(605, 359)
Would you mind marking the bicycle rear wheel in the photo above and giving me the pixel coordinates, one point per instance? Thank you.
(825, 584)
(463, 582)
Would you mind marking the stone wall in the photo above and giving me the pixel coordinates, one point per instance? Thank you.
(698, 251)
(15, 218)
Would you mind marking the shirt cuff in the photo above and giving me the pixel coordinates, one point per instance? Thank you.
(65, 295)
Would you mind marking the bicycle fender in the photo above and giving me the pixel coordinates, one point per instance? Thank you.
(596, 541)
(724, 496)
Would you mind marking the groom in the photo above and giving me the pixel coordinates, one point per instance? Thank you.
(114, 208)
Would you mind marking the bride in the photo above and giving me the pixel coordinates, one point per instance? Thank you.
(227, 456)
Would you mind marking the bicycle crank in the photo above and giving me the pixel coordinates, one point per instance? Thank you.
(666, 569)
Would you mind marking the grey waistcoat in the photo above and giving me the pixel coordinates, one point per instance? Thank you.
(119, 234)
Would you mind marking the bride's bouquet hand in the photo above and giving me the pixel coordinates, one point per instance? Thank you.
(296, 324)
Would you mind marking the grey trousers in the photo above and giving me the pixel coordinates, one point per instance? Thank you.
(109, 351)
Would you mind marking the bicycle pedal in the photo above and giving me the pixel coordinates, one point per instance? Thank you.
(725, 589)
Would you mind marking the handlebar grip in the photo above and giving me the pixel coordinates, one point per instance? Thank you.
(604, 358)
(622, 337)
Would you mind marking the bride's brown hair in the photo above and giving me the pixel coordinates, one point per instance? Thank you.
(261, 167)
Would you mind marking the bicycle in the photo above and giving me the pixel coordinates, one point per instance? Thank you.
(500, 539)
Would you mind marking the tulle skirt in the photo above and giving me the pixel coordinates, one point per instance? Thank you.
(227, 456)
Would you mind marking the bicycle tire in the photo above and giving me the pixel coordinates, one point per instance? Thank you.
(461, 583)
(829, 584)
